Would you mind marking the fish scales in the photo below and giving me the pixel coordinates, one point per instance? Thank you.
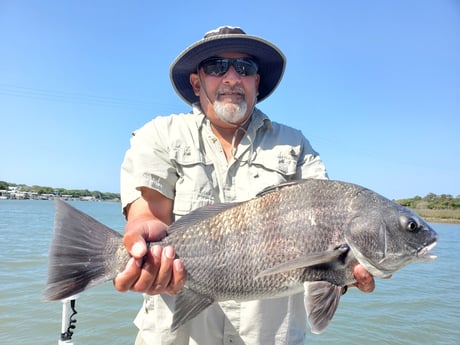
(262, 239)
(302, 236)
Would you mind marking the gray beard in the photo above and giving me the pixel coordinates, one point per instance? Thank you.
(230, 112)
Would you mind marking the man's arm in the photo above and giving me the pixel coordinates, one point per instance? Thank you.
(150, 270)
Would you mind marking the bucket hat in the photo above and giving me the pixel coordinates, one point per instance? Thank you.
(270, 59)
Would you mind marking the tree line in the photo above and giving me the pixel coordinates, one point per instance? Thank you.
(74, 193)
(432, 201)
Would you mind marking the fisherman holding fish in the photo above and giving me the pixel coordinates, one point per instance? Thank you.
(225, 150)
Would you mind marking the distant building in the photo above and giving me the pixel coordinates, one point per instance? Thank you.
(4, 194)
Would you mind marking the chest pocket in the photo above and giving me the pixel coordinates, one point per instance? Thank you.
(196, 184)
(272, 167)
(280, 159)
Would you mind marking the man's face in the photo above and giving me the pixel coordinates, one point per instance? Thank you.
(226, 99)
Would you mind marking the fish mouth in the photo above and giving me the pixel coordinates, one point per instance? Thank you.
(424, 253)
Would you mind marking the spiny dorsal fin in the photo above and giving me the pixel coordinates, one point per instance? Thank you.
(200, 214)
(277, 187)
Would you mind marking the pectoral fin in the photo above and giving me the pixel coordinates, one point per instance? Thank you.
(321, 301)
(188, 305)
(305, 261)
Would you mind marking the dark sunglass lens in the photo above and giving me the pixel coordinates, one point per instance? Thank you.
(215, 67)
(245, 66)
(218, 67)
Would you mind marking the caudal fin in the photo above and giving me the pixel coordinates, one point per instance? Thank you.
(83, 253)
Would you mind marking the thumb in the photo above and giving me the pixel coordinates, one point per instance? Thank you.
(135, 244)
(139, 232)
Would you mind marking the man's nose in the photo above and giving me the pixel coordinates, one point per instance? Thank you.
(232, 76)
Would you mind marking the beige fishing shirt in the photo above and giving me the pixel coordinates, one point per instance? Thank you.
(179, 156)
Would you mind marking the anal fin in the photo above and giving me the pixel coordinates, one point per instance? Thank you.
(188, 305)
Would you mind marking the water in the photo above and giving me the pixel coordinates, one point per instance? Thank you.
(419, 305)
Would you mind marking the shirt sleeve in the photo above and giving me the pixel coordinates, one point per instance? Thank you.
(147, 163)
(310, 163)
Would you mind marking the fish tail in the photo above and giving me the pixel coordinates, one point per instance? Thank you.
(83, 253)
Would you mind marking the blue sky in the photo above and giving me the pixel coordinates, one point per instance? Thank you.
(374, 85)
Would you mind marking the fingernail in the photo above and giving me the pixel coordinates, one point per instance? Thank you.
(169, 252)
(138, 249)
(156, 251)
(178, 265)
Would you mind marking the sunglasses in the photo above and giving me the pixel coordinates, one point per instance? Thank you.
(217, 66)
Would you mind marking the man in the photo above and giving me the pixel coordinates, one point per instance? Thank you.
(225, 150)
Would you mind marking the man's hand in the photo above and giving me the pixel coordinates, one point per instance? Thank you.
(153, 270)
(364, 280)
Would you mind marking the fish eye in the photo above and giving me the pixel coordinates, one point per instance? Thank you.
(411, 225)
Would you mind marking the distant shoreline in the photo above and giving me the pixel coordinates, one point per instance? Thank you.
(439, 215)
(442, 220)
(63, 198)
(12, 191)
(431, 216)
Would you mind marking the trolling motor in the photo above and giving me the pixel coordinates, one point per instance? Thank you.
(68, 320)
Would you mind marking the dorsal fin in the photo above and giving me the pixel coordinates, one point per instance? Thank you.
(199, 214)
(277, 187)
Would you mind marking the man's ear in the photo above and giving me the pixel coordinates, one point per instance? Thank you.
(195, 82)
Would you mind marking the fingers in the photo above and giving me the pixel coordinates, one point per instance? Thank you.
(364, 280)
(152, 270)
(158, 272)
(149, 271)
(178, 279)
(124, 280)
(163, 266)
(170, 275)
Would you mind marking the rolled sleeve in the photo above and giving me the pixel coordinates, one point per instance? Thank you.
(147, 163)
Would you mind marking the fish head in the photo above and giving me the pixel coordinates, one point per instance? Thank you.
(388, 237)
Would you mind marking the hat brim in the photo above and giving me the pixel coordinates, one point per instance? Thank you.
(270, 59)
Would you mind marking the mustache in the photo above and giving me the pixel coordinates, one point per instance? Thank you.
(229, 89)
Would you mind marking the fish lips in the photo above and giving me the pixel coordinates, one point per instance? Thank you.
(431, 239)
(424, 253)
